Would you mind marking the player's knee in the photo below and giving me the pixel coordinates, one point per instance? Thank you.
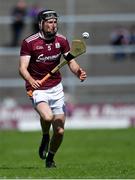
(60, 131)
(47, 117)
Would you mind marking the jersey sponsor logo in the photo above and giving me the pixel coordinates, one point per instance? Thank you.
(42, 58)
(57, 45)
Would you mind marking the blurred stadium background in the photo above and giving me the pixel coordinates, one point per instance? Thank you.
(107, 97)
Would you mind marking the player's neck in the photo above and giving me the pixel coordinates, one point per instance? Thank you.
(41, 35)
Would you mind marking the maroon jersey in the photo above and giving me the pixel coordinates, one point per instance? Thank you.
(45, 55)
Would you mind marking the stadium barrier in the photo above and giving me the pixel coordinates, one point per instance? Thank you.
(92, 116)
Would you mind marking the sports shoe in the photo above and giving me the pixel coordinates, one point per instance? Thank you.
(50, 164)
(43, 148)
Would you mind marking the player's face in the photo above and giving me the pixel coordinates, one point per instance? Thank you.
(50, 25)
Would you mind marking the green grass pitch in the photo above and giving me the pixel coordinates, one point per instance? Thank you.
(84, 154)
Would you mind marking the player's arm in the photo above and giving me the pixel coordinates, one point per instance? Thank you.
(23, 70)
(77, 70)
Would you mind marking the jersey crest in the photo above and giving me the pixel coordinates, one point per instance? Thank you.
(57, 45)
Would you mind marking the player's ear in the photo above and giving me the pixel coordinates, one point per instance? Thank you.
(40, 25)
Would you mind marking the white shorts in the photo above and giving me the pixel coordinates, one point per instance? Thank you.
(54, 97)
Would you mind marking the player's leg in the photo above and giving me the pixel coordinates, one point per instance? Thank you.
(58, 109)
(46, 118)
(44, 144)
(56, 140)
(58, 132)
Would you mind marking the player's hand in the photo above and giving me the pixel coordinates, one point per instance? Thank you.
(81, 74)
(35, 84)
